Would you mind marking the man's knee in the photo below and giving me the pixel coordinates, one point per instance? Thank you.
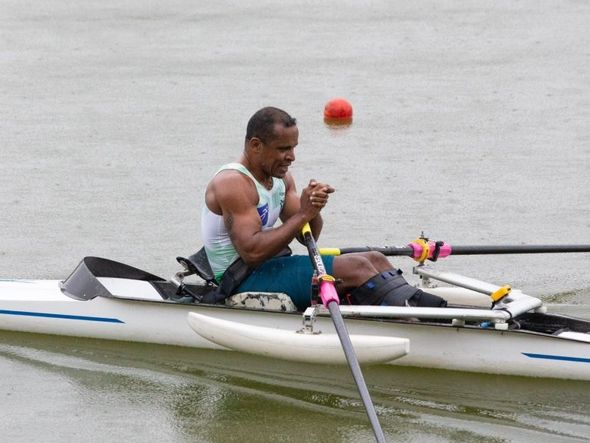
(378, 260)
(353, 269)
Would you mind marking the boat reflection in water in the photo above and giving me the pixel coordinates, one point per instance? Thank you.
(166, 393)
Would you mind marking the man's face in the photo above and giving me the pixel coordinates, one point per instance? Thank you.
(279, 152)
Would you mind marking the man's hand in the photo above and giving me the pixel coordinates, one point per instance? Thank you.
(314, 197)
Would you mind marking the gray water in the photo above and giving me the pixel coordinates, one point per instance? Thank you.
(471, 125)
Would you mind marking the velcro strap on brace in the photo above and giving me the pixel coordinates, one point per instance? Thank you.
(391, 289)
(374, 290)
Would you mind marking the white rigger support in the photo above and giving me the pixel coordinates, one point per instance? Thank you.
(413, 312)
(515, 303)
(457, 280)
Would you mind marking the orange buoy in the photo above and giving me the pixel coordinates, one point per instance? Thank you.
(338, 111)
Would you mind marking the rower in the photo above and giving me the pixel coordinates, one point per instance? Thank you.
(242, 205)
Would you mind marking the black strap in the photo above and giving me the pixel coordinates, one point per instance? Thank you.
(436, 251)
(233, 277)
(377, 287)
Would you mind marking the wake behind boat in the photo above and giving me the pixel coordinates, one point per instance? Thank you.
(105, 299)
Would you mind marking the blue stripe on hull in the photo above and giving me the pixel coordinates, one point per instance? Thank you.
(61, 316)
(557, 357)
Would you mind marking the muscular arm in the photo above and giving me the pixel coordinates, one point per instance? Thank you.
(234, 196)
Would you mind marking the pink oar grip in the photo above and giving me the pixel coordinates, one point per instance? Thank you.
(417, 249)
(328, 293)
(445, 251)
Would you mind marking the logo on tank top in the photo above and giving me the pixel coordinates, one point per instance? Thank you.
(263, 213)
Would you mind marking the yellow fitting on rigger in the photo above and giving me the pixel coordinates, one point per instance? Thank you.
(326, 277)
(329, 251)
(500, 293)
(425, 250)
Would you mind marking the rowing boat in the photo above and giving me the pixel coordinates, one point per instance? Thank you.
(105, 299)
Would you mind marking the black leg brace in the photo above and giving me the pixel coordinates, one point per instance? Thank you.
(391, 289)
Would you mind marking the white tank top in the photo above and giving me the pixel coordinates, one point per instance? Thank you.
(220, 250)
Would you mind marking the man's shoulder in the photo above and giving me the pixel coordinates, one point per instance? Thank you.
(232, 170)
(230, 176)
(231, 183)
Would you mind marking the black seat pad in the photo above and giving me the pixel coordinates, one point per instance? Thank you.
(199, 264)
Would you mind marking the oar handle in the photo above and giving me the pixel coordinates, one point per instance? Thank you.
(327, 290)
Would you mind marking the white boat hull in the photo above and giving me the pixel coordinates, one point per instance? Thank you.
(41, 307)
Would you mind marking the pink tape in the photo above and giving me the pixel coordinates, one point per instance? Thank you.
(328, 293)
(445, 250)
(417, 250)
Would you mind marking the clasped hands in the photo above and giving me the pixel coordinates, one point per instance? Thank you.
(316, 194)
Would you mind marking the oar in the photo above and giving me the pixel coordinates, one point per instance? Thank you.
(423, 250)
(330, 300)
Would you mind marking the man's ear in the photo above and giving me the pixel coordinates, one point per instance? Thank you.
(255, 145)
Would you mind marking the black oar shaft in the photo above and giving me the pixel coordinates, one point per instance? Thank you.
(518, 249)
(344, 337)
(475, 249)
(355, 368)
(386, 250)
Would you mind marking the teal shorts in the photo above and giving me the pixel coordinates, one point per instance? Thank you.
(291, 275)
